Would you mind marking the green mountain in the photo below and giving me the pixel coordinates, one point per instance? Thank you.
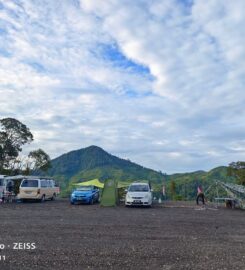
(93, 162)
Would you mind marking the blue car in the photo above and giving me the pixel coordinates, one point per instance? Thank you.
(85, 194)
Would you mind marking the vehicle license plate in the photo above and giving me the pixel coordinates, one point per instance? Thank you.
(137, 201)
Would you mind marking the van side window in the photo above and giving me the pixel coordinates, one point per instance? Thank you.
(43, 183)
(29, 183)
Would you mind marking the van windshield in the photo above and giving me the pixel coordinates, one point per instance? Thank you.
(138, 188)
(29, 183)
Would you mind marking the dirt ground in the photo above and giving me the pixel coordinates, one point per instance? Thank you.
(171, 236)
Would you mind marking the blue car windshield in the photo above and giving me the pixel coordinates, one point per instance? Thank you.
(85, 188)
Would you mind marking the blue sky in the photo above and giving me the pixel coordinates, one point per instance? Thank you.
(160, 82)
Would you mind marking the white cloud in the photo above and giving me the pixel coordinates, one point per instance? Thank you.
(159, 82)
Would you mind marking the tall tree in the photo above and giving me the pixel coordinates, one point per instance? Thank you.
(237, 169)
(13, 135)
(39, 160)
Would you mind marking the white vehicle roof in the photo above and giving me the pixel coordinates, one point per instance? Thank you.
(139, 183)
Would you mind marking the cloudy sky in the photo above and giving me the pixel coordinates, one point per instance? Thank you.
(161, 82)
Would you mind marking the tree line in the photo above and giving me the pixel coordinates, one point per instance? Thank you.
(13, 136)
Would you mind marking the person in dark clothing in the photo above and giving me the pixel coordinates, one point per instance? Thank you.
(200, 195)
(10, 187)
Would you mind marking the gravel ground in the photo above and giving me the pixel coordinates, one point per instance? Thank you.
(172, 236)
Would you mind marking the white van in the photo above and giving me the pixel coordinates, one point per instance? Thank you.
(37, 189)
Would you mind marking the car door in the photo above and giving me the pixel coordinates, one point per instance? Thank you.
(50, 188)
(95, 193)
(44, 188)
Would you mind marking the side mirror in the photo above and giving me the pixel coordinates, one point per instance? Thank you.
(125, 190)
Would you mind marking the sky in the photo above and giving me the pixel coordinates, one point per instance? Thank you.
(159, 82)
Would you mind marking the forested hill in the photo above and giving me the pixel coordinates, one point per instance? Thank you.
(186, 183)
(93, 162)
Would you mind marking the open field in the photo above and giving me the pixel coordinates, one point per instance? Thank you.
(175, 236)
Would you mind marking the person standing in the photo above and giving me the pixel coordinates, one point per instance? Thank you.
(200, 195)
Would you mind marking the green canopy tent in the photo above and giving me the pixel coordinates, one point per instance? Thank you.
(109, 195)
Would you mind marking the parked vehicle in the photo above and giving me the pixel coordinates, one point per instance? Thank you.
(2, 187)
(85, 194)
(37, 189)
(139, 194)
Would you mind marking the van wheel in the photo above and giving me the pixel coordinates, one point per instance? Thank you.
(92, 201)
(43, 199)
(53, 197)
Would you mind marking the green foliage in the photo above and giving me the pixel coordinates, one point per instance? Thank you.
(186, 183)
(13, 135)
(172, 189)
(178, 198)
(39, 160)
(237, 169)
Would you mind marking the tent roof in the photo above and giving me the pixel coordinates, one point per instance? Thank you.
(97, 183)
(94, 182)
